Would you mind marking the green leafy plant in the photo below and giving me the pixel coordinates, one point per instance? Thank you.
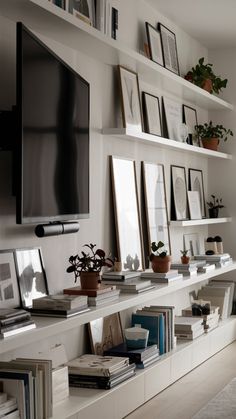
(208, 130)
(202, 72)
(184, 252)
(215, 203)
(156, 250)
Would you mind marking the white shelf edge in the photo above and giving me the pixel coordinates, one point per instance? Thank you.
(162, 142)
(203, 221)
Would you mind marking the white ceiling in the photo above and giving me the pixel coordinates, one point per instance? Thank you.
(212, 22)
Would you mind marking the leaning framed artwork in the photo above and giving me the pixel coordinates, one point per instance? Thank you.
(9, 292)
(105, 333)
(169, 48)
(190, 119)
(173, 119)
(152, 114)
(192, 244)
(154, 44)
(196, 184)
(84, 10)
(179, 201)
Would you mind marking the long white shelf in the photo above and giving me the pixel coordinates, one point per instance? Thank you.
(203, 221)
(143, 137)
(52, 21)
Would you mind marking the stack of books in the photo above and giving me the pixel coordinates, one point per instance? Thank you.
(141, 357)
(188, 328)
(162, 278)
(96, 297)
(8, 407)
(112, 276)
(205, 267)
(133, 286)
(219, 293)
(186, 269)
(219, 261)
(96, 371)
(210, 321)
(14, 321)
(60, 305)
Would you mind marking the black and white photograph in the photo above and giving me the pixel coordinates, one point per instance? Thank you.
(9, 292)
(194, 205)
(196, 184)
(169, 48)
(84, 10)
(190, 119)
(192, 244)
(31, 275)
(179, 202)
(154, 44)
(152, 114)
(174, 120)
(130, 95)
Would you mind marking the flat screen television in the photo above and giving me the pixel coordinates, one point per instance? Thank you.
(52, 144)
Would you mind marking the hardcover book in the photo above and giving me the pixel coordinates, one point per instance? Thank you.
(90, 293)
(60, 302)
(134, 355)
(90, 364)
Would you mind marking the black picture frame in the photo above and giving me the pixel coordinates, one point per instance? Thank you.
(31, 275)
(152, 114)
(169, 49)
(196, 183)
(190, 119)
(154, 44)
(9, 290)
(179, 196)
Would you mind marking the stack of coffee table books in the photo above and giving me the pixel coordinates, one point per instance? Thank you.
(141, 357)
(14, 321)
(96, 297)
(187, 269)
(133, 286)
(162, 278)
(210, 321)
(60, 305)
(188, 328)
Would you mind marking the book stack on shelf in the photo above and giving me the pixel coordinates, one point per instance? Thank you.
(162, 278)
(97, 371)
(96, 297)
(142, 357)
(219, 293)
(14, 321)
(60, 305)
(188, 328)
(129, 284)
(186, 269)
(8, 407)
(219, 260)
(210, 321)
(203, 267)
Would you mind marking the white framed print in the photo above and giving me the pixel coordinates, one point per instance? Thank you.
(9, 291)
(174, 119)
(154, 44)
(152, 114)
(196, 184)
(179, 201)
(194, 205)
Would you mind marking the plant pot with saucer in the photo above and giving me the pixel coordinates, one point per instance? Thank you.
(160, 261)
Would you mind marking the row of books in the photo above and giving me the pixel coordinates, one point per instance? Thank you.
(219, 293)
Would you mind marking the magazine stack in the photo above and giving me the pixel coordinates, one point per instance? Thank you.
(162, 278)
(14, 321)
(188, 328)
(60, 305)
(141, 357)
(128, 282)
(96, 297)
(210, 317)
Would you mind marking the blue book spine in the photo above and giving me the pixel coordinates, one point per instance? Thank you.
(161, 334)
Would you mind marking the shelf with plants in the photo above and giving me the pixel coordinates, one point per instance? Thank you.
(203, 221)
(62, 26)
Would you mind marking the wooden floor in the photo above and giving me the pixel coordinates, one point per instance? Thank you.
(189, 394)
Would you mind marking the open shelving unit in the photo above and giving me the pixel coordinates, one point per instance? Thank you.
(203, 221)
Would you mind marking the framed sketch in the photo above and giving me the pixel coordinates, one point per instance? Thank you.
(130, 99)
(31, 275)
(84, 10)
(9, 292)
(196, 184)
(190, 119)
(154, 44)
(173, 120)
(155, 204)
(105, 333)
(179, 202)
(152, 114)
(127, 216)
(192, 244)
(169, 49)
(194, 205)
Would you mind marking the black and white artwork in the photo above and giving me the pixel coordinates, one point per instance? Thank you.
(179, 193)
(190, 119)
(176, 130)
(9, 292)
(154, 44)
(196, 184)
(152, 114)
(169, 48)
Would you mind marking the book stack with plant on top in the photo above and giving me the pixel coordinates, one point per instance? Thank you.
(127, 281)
(96, 297)
(14, 321)
(60, 305)
(188, 328)
(186, 269)
(162, 278)
(97, 371)
(203, 309)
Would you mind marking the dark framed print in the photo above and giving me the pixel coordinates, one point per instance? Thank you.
(169, 49)
(179, 200)
(194, 205)
(190, 119)
(84, 10)
(154, 44)
(130, 99)
(105, 333)
(152, 114)
(9, 291)
(31, 275)
(196, 184)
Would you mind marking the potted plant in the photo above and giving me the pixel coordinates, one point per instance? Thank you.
(184, 258)
(88, 266)
(203, 76)
(211, 134)
(159, 259)
(214, 206)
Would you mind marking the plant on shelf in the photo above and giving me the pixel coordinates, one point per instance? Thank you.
(203, 76)
(185, 258)
(214, 206)
(211, 134)
(159, 259)
(88, 266)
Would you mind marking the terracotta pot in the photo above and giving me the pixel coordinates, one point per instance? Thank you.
(207, 85)
(185, 259)
(213, 212)
(90, 280)
(210, 143)
(160, 264)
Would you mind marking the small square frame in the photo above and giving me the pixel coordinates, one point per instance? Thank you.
(152, 114)
(105, 333)
(154, 44)
(196, 184)
(9, 291)
(179, 200)
(169, 49)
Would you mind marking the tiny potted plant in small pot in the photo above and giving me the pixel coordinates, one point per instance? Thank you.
(214, 205)
(159, 259)
(210, 134)
(185, 258)
(88, 266)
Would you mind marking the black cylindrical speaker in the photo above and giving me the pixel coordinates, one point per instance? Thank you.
(55, 229)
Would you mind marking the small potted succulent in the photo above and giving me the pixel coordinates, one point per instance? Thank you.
(214, 205)
(211, 134)
(88, 266)
(159, 259)
(185, 258)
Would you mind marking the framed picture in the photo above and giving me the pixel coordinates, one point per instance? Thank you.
(59, 3)
(154, 44)
(190, 119)
(173, 120)
(31, 275)
(9, 291)
(169, 49)
(196, 184)
(105, 333)
(179, 202)
(84, 10)
(192, 244)
(155, 204)
(130, 99)
(152, 114)
(194, 205)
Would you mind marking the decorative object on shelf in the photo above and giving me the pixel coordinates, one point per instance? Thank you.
(192, 242)
(154, 44)
(185, 258)
(196, 184)
(136, 337)
(130, 99)
(172, 119)
(9, 292)
(152, 114)
(194, 205)
(169, 49)
(214, 206)
(210, 134)
(105, 333)
(117, 266)
(179, 203)
(160, 261)
(210, 245)
(84, 10)
(88, 266)
(156, 203)
(203, 76)
(219, 245)
(190, 119)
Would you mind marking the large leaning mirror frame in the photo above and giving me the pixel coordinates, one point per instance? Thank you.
(179, 200)
(127, 216)
(155, 204)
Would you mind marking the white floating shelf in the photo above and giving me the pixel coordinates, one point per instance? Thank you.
(203, 221)
(143, 137)
(56, 23)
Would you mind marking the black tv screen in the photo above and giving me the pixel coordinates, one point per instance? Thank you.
(52, 153)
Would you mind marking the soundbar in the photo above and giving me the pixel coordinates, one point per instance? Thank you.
(55, 229)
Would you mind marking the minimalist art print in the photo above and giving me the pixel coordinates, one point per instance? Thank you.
(173, 118)
(196, 184)
(190, 119)
(152, 114)
(179, 193)
(9, 292)
(105, 333)
(154, 44)
(194, 205)
(192, 244)
(169, 48)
